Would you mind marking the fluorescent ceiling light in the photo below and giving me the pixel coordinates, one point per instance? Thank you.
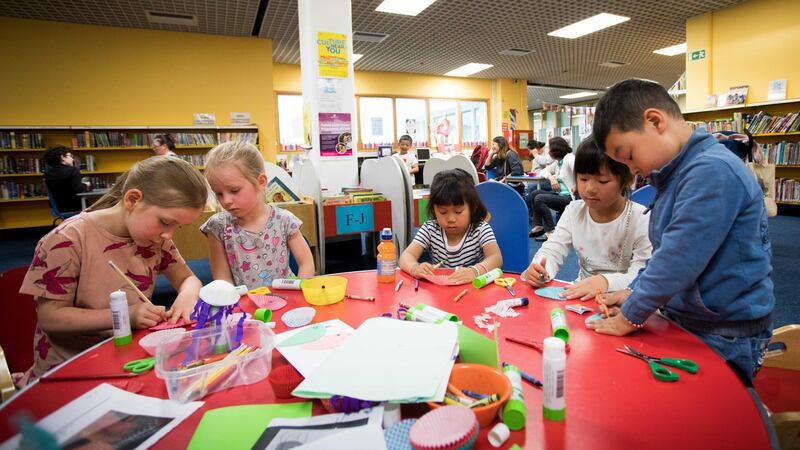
(579, 95)
(356, 57)
(404, 7)
(590, 25)
(468, 69)
(672, 51)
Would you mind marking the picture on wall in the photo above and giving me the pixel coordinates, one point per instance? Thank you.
(335, 134)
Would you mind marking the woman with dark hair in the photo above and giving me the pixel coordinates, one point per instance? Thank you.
(63, 179)
(164, 144)
(562, 182)
(505, 162)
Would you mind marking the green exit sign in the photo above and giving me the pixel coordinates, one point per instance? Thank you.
(697, 55)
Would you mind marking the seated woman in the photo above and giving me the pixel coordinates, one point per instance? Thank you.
(504, 161)
(63, 179)
(562, 181)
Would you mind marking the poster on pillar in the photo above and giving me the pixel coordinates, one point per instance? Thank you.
(332, 55)
(335, 135)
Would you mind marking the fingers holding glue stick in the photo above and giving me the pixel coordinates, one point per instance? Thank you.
(536, 273)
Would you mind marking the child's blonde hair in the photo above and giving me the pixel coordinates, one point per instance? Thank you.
(243, 155)
(165, 181)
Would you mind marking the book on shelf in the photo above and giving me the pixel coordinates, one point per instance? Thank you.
(765, 123)
(781, 153)
(367, 198)
(278, 192)
(336, 199)
(356, 190)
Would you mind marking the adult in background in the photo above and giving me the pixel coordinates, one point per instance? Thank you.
(561, 174)
(63, 179)
(504, 161)
(164, 144)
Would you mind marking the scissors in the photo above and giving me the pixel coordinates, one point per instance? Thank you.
(506, 283)
(139, 366)
(660, 372)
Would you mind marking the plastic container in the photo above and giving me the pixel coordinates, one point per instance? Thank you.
(486, 278)
(387, 257)
(554, 365)
(120, 318)
(483, 379)
(194, 383)
(322, 291)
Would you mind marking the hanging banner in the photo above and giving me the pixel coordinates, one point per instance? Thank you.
(332, 54)
(335, 134)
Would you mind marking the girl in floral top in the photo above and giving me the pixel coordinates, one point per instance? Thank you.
(250, 241)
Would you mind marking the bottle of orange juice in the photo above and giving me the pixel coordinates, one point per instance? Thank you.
(387, 257)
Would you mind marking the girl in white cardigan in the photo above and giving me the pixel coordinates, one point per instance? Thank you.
(606, 229)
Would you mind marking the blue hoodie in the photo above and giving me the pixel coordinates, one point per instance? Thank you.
(711, 253)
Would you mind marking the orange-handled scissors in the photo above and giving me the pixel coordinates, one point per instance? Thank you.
(506, 283)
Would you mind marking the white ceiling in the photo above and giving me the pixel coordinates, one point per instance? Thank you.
(446, 35)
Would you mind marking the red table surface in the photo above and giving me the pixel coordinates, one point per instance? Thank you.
(612, 399)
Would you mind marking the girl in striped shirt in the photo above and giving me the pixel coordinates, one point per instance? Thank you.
(459, 234)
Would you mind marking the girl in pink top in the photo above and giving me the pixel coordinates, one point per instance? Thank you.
(132, 225)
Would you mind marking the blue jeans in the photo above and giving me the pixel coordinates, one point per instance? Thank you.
(744, 354)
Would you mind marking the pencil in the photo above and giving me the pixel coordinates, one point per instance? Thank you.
(439, 264)
(52, 378)
(416, 285)
(397, 287)
(359, 297)
(128, 281)
(460, 295)
(600, 298)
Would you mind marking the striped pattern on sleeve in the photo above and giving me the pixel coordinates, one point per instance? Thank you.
(469, 252)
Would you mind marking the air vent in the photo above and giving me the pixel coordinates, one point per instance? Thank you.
(516, 52)
(613, 64)
(364, 36)
(171, 18)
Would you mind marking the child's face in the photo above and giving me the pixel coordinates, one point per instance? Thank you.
(645, 150)
(150, 225)
(599, 191)
(454, 219)
(237, 194)
(405, 146)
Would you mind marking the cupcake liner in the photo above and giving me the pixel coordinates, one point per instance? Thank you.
(445, 428)
(298, 317)
(284, 379)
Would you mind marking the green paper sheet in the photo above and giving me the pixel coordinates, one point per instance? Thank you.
(239, 427)
(474, 347)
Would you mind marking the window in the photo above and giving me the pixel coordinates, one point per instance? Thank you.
(376, 119)
(412, 119)
(290, 121)
(473, 124)
(444, 125)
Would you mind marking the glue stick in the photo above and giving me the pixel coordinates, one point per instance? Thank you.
(559, 323)
(292, 284)
(487, 278)
(514, 409)
(429, 314)
(120, 320)
(554, 359)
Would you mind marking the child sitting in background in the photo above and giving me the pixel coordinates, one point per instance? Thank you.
(459, 235)
(561, 175)
(710, 269)
(249, 242)
(605, 228)
(132, 225)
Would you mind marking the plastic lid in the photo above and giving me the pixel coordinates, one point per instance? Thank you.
(514, 414)
(386, 234)
(263, 314)
(119, 295)
(524, 301)
(554, 346)
(554, 414)
(499, 434)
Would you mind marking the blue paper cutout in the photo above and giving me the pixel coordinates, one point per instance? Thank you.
(551, 292)
(592, 318)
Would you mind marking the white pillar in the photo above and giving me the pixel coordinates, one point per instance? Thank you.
(326, 67)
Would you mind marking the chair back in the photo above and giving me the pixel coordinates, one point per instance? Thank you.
(509, 221)
(18, 322)
(644, 195)
(58, 216)
(778, 381)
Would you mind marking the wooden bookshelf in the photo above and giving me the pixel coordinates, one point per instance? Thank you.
(109, 160)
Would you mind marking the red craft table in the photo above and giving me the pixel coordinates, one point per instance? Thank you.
(613, 401)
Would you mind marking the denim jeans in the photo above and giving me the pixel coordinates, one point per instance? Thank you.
(744, 354)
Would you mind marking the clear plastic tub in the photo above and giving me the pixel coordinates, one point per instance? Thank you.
(183, 361)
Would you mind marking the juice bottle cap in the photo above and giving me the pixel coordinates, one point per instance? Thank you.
(386, 234)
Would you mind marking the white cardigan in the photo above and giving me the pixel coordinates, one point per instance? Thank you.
(566, 174)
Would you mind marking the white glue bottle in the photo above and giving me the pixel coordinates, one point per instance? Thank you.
(554, 362)
(292, 284)
(120, 319)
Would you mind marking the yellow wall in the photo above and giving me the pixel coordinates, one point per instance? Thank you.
(748, 44)
(513, 94)
(66, 74)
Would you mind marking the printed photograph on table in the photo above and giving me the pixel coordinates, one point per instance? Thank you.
(117, 430)
(335, 134)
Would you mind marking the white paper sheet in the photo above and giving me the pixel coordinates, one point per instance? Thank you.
(111, 417)
(289, 433)
(369, 437)
(307, 357)
(387, 360)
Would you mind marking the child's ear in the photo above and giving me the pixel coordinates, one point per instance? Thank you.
(131, 198)
(656, 118)
(262, 180)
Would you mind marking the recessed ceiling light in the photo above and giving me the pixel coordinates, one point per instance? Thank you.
(356, 57)
(468, 69)
(613, 64)
(672, 51)
(404, 7)
(579, 95)
(171, 18)
(516, 52)
(590, 25)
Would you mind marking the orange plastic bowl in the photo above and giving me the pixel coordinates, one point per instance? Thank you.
(483, 379)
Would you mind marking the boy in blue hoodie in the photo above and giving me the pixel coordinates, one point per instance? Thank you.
(710, 268)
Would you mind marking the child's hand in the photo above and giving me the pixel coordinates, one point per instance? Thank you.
(182, 307)
(422, 270)
(462, 275)
(615, 325)
(616, 298)
(586, 288)
(536, 274)
(146, 315)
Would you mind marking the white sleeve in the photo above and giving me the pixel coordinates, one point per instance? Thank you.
(642, 248)
(557, 247)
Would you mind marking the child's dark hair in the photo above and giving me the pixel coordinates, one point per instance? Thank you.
(532, 144)
(166, 139)
(623, 107)
(558, 147)
(405, 137)
(590, 160)
(456, 187)
(52, 157)
(501, 142)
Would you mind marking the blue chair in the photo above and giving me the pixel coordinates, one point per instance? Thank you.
(644, 195)
(509, 220)
(58, 216)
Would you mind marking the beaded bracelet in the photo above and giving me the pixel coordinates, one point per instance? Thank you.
(482, 267)
(638, 326)
(477, 273)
